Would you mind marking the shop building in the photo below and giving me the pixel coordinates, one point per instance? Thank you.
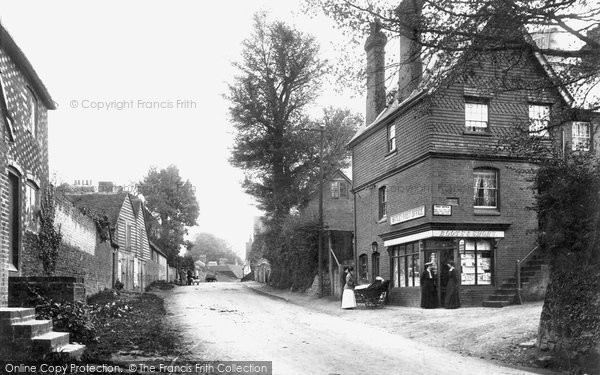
(430, 183)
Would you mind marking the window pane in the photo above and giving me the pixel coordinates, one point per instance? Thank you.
(396, 270)
(581, 136)
(476, 116)
(485, 192)
(415, 270)
(402, 271)
(539, 120)
(467, 263)
(335, 189)
(484, 267)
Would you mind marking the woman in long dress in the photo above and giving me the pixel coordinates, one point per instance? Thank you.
(428, 288)
(452, 300)
(348, 299)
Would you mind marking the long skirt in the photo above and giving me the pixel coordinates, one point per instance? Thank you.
(348, 299)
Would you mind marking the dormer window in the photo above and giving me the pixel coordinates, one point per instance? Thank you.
(539, 120)
(476, 115)
(580, 136)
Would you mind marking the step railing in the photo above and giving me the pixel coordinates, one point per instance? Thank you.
(518, 273)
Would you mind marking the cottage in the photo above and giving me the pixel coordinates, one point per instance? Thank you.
(430, 184)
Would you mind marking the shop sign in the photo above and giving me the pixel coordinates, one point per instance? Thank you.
(442, 210)
(407, 215)
(469, 233)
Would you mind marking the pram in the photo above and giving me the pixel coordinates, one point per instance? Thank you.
(374, 295)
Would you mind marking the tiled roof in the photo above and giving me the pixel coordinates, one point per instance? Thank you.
(105, 204)
(18, 57)
(231, 270)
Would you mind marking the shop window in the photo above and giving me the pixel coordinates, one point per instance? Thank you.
(339, 189)
(391, 136)
(31, 206)
(539, 120)
(476, 262)
(363, 270)
(405, 265)
(476, 116)
(580, 139)
(382, 202)
(485, 190)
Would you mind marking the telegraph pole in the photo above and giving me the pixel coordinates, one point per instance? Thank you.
(320, 255)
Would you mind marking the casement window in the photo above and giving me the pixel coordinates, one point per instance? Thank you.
(30, 111)
(405, 265)
(476, 116)
(391, 137)
(485, 188)
(580, 139)
(339, 189)
(31, 206)
(539, 120)
(382, 202)
(476, 262)
(363, 266)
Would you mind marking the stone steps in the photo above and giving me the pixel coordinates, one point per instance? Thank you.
(25, 338)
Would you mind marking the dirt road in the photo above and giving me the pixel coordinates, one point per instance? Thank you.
(227, 321)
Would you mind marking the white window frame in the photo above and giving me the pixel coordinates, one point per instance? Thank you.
(580, 136)
(391, 138)
(539, 120)
(382, 200)
(335, 189)
(476, 189)
(31, 205)
(476, 116)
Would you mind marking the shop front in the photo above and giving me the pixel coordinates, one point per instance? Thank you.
(473, 252)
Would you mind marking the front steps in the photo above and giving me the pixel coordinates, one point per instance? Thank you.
(506, 294)
(24, 337)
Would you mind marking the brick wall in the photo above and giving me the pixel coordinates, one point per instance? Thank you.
(81, 253)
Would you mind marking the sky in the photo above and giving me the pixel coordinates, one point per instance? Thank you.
(141, 83)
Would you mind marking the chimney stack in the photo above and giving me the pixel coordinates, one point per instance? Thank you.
(411, 67)
(375, 48)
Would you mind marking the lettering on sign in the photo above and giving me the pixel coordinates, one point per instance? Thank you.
(442, 210)
(469, 233)
(407, 215)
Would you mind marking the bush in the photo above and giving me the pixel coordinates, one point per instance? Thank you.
(119, 285)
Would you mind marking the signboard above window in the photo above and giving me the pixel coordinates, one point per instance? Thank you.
(407, 215)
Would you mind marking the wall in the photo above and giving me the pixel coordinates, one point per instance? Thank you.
(81, 253)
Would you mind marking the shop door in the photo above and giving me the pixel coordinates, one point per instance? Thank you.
(440, 259)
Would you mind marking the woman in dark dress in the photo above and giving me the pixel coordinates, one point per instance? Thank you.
(428, 289)
(452, 297)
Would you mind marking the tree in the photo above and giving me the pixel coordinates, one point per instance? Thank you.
(173, 203)
(280, 74)
(445, 29)
(213, 247)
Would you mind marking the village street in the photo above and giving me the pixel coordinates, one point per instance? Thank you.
(228, 321)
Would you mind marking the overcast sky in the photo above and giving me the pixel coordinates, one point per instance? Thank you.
(124, 54)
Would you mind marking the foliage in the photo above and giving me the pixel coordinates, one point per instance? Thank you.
(173, 203)
(279, 76)
(213, 247)
(49, 238)
(445, 29)
(119, 285)
(294, 253)
(74, 317)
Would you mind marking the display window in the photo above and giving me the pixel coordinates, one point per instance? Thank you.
(476, 262)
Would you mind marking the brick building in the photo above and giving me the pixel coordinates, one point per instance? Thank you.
(338, 221)
(24, 103)
(430, 185)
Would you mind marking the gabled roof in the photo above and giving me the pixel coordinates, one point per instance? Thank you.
(18, 57)
(103, 204)
(231, 270)
(156, 248)
(330, 178)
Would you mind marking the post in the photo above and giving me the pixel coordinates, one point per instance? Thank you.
(320, 254)
(518, 277)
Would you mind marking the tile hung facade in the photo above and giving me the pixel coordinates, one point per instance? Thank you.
(24, 103)
(430, 186)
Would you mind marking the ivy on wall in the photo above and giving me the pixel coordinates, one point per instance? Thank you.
(49, 238)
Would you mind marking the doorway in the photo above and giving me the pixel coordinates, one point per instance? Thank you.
(440, 258)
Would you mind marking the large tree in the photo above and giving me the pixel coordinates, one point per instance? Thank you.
(445, 29)
(214, 248)
(279, 77)
(172, 202)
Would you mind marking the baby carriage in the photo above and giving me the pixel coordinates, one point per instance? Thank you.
(374, 295)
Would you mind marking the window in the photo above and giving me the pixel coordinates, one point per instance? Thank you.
(580, 139)
(476, 116)
(485, 190)
(405, 263)
(476, 262)
(363, 270)
(128, 233)
(31, 112)
(391, 136)
(539, 120)
(31, 205)
(382, 202)
(374, 265)
(4, 109)
(339, 189)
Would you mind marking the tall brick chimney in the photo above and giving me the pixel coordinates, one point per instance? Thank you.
(375, 48)
(411, 67)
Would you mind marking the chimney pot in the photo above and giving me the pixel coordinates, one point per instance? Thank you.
(375, 48)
